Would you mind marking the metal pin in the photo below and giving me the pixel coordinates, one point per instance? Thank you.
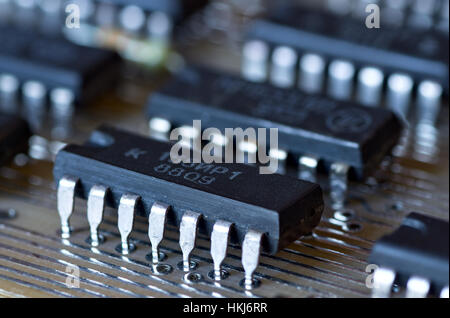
(132, 18)
(338, 184)
(219, 139)
(255, 57)
(159, 25)
(251, 248)
(311, 73)
(9, 87)
(428, 101)
(370, 83)
(127, 207)
(340, 79)
(219, 244)
(281, 156)
(62, 109)
(188, 234)
(62, 100)
(159, 128)
(95, 207)
(399, 88)
(444, 292)
(65, 202)
(383, 279)
(34, 95)
(246, 151)
(417, 287)
(156, 225)
(307, 168)
(282, 71)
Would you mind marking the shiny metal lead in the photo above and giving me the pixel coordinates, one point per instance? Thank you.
(251, 249)
(338, 184)
(399, 89)
(311, 73)
(444, 292)
(383, 280)
(188, 235)
(156, 226)
(340, 79)
(132, 18)
(428, 101)
(62, 102)
(280, 156)
(127, 207)
(255, 58)
(283, 68)
(159, 128)
(417, 287)
(159, 26)
(9, 88)
(247, 151)
(62, 109)
(95, 207)
(219, 244)
(34, 100)
(307, 168)
(65, 202)
(370, 84)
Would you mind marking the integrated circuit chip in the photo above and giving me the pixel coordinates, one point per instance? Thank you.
(314, 126)
(14, 134)
(57, 63)
(136, 174)
(423, 54)
(416, 255)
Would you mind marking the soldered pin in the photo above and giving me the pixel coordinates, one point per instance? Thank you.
(283, 68)
(95, 207)
(126, 211)
(255, 59)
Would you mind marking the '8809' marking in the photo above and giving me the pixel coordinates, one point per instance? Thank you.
(203, 173)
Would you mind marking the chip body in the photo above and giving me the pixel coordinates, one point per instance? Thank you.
(57, 63)
(282, 207)
(307, 124)
(418, 248)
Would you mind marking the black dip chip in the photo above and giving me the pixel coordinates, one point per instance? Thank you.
(317, 125)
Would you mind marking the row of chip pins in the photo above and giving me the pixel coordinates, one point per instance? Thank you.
(158, 25)
(340, 77)
(416, 287)
(134, 20)
(189, 224)
(34, 100)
